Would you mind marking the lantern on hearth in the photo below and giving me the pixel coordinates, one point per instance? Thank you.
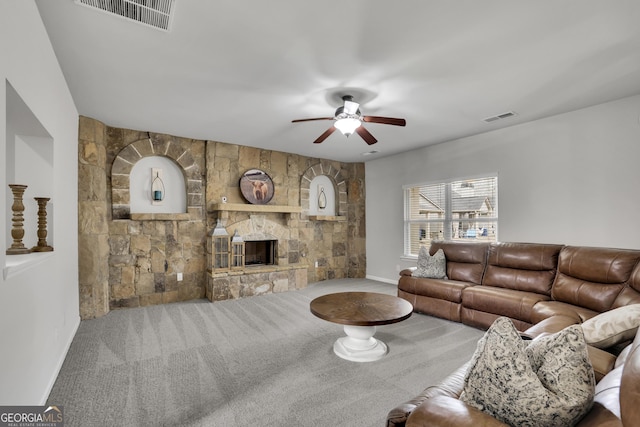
(218, 244)
(237, 251)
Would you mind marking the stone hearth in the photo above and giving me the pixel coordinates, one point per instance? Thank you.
(278, 276)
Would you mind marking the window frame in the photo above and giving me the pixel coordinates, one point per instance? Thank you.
(448, 218)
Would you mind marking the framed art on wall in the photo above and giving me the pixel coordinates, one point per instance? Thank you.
(256, 186)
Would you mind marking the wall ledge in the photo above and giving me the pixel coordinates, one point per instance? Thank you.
(327, 218)
(257, 269)
(16, 264)
(160, 216)
(241, 207)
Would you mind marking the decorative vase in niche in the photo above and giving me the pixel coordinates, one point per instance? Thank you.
(157, 188)
(322, 199)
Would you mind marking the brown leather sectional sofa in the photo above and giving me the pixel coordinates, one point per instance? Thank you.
(542, 288)
(527, 282)
(617, 405)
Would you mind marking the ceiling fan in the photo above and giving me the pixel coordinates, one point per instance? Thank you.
(349, 119)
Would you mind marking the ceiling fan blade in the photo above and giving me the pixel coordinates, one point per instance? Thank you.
(325, 135)
(308, 120)
(385, 120)
(366, 135)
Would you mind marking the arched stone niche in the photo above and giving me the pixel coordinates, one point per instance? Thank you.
(308, 196)
(141, 182)
(322, 196)
(167, 147)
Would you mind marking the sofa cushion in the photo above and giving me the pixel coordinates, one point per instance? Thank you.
(503, 302)
(622, 357)
(441, 289)
(431, 266)
(593, 277)
(550, 382)
(612, 327)
(465, 260)
(545, 309)
(608, 391)
(528, 267)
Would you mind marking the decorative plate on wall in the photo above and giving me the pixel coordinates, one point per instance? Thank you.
(256, 186)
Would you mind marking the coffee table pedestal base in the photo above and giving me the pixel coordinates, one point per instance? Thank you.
(359, 345)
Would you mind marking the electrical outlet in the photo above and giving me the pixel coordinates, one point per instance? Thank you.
(316, 264)
(179, 277)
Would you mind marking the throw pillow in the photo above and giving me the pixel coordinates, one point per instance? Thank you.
(548, 383)
(612, 327)
(433, 267)
(608, 391)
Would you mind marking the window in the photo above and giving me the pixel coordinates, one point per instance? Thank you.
(458, 210)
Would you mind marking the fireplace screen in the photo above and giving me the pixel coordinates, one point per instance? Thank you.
(260, 252)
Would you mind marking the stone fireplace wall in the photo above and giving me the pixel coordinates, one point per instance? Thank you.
(337, 244)
(128, 262)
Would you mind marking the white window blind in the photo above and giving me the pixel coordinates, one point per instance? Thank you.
(458, 210)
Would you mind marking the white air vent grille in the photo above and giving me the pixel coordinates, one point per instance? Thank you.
(499, 117)
(152, 13)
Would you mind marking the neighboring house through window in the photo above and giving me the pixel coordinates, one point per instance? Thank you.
(456, 210)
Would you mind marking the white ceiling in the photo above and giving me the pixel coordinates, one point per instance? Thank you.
(239, 71)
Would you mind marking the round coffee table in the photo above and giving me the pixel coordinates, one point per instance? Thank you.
(360, 313)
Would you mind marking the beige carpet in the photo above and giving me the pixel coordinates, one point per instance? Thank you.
(260, 361)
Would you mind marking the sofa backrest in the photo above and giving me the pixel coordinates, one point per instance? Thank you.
(529, 267)
(465, 260)
(630, 294)
(595, 277)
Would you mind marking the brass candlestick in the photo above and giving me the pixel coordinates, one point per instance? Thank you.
(17, 232)
(42, 226)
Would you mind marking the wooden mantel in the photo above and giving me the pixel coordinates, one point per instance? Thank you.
(244, 207)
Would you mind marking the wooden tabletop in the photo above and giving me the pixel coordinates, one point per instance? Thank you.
(361, 308)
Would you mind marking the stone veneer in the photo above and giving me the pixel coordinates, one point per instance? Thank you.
(128, 263)
(93, 212)
(158, 145)
(257, 280)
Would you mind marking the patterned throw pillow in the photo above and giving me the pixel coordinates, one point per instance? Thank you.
(549, 383)
(433, 267)
(612, 327)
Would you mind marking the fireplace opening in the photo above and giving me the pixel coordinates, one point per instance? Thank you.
(260, 252)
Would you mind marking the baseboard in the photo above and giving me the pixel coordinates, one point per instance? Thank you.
(382, 279)
(43, 401)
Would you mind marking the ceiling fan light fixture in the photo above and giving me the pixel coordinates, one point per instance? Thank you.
(348, 119)
(347, 125)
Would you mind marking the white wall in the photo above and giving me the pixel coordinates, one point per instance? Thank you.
(140, 179)
(39, 309)
(572, 178)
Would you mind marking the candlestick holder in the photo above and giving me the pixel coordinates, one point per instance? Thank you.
(42, 245)
(17, 220)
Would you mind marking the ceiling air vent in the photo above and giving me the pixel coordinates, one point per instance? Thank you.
(152, 13)
(368, 153)
(499, 117)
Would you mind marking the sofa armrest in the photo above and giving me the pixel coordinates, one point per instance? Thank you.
(444, 411)
(602, 361)
(450, 387)
(408, 271)
(397, 417)
(550, 325)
